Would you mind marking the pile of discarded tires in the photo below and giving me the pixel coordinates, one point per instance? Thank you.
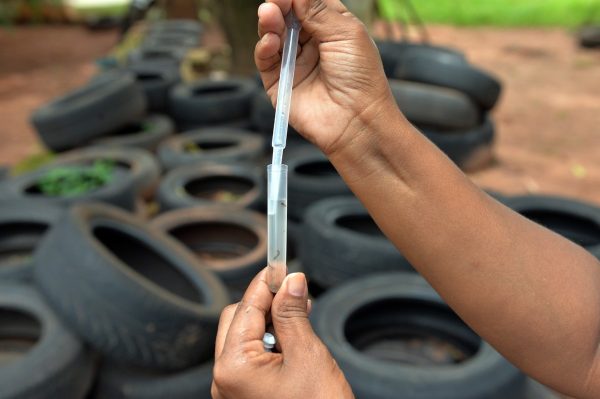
(118, 256)
(446, 97)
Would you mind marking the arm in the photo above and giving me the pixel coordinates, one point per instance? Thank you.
(530, 293)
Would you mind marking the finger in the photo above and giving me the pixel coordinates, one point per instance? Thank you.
(326, 20)
(270, 19)
(224, 323)
(284, 5)
(290, 318)
(249, 321)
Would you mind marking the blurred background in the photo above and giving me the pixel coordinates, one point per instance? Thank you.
(547, 118)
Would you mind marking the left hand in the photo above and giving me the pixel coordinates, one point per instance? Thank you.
(303, 369)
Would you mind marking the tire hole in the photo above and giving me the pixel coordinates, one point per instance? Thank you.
(221, 88)
(359, 223)
(18, 241)
(19, 333)
(317, 169)
(227, 189)
(411, 332)
(214, 242)
(145, 261)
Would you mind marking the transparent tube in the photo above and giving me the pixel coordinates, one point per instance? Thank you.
(277, 226)
(286, 84)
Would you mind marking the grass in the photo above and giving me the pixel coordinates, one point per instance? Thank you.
(563, 13)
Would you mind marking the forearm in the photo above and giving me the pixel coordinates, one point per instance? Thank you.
(532, 294)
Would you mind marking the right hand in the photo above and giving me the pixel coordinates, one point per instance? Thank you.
(339, 83)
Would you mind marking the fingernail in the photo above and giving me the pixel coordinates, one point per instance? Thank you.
(296, 285)
(260, 7)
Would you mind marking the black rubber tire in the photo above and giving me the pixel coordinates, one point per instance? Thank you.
(578, 221)
(589, 36)
(111, 100)
(377, 309)
(158, 39)
(483, 88)
(59, 365)
(118, 382)
(465, 148)
(129, 290)
(164, 54)
(182, 26)
(311, 177)
(217, 145)
(143, 167)
(209, 102)
(119, 192)
(340, 241)
(156, 79)
(145, 134)
(393, 52)
(231, 244)
(238, 124)
(23, 224)
(434, 106)
(180, 187)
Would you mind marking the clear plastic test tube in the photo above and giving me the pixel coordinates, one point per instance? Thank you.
(277, 221)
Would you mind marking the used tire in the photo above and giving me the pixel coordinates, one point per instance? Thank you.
(395, 338)
(145, 134)
(394, 52)
(156, 53)
(572, 219)
(205, 146)
(182, 26)
(141, 165)
(210, 102)
(170, 39)
(120, 191)
(156, 79)
(311, 178)
(589, 36)
(39, 357)
(483, 88)
(193, 185)
(469, 149)
(23, 224)
(438, 107)
(130, 291)
(340, 241)
(119, 382)
(106, 103)
(231, 244)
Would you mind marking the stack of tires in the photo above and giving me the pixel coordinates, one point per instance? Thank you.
(446, 97)
(117, 257)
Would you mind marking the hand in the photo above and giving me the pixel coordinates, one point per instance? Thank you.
(339, 83)
(304, 367)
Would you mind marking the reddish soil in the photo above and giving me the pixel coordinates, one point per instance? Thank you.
(548, 118)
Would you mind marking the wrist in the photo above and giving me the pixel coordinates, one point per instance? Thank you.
(366, 142)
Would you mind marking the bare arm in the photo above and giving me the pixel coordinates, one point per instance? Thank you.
(530, 293)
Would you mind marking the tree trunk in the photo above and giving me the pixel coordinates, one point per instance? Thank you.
(240, 23)
(181, 9)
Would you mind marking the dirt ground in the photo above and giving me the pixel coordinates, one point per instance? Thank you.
(548, 119)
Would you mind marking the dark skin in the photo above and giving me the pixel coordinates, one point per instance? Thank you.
(530, 293)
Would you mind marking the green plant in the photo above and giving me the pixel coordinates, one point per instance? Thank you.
(568, 13)
(71, 181)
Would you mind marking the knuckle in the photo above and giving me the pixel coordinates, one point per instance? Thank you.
(289, 310)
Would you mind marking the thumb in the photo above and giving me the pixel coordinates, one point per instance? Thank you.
(289, 314)
(325, 20)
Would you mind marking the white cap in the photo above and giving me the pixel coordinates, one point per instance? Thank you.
(269, 342)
